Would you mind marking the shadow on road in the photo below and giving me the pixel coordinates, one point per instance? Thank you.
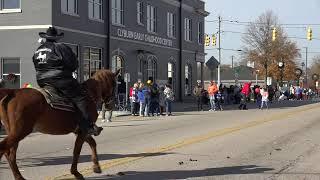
(159, 175)
(185, 107)
(52, 161)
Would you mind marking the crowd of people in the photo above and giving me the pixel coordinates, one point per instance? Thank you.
(151, 99)
(216, 96)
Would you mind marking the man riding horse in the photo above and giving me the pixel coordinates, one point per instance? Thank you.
(54, 63)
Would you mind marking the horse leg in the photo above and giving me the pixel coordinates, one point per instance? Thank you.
(94, 157)
(76, 153)
(11, 157)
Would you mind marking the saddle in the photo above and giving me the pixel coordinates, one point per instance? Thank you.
(56, 99)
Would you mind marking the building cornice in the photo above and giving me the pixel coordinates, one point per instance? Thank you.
(187, 7)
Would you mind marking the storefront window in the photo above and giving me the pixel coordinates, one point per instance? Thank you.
(92, 58)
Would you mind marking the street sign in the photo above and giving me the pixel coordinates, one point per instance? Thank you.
(269, 81)
(126, 77)
(212, 63)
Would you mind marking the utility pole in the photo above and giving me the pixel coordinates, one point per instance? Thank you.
(232, 62)
(219, 48)
(306, 66)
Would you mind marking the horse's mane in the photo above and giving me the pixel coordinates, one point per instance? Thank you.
(103, 74)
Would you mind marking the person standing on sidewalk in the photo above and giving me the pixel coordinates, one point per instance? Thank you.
(219, 97)
(141, 99)
(147, 97)
(134, 99)
(245, 93)
(106, 110)
(169, 98)
(197, 92)
(265, 98)
(162, 100)
(212, 90)
(258, 96)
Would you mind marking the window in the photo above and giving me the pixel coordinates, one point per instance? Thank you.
(151, 68)
(147, 68)
(117, 63)
(139, 12)
(117, 11)
(187, 29)
(11, 66)
(69, 6)
(92, 58)
(95, 9)
(151, 18)
(188, 80)
(171, 21)
(9, 6)
(200, 33)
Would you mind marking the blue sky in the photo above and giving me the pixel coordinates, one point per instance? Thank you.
(288, 12)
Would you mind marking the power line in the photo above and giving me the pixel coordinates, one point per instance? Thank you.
(226, 49)
(290, 37)
(247, 23)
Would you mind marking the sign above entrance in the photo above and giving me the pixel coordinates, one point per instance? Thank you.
(123, 33)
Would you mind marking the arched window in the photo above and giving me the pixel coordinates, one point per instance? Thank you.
(171, 75)
(188, 79)
(117, 63)
(151, 70)
(147, 68)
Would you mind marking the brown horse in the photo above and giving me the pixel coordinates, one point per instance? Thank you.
(25, 110)
(5, 92)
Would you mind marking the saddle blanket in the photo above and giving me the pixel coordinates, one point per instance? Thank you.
(56, 100)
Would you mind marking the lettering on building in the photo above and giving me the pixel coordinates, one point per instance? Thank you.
(144, 37)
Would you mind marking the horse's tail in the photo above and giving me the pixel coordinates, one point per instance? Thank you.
(4, 118)
(4, 108)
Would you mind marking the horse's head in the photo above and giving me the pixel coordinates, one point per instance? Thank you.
(104, 83)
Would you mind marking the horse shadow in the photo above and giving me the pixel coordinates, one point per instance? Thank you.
(52, 161)
(185, 174)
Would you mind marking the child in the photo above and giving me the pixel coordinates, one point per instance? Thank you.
(219, 98)
(134, 99)
(265, 96)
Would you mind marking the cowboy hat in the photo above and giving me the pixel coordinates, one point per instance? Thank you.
(51, 33)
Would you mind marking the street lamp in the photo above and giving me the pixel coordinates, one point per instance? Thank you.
(281, 67)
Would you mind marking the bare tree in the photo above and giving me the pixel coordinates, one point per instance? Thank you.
(315, 66)
(266, 53)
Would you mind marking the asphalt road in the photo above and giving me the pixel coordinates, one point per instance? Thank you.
(279, 143)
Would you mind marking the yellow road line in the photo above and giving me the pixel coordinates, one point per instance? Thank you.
(116, 162)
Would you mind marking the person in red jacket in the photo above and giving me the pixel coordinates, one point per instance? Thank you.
(245, 93)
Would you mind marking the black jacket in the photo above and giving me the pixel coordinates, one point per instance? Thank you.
(54, 61)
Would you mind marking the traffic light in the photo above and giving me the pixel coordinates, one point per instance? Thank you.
(309, 34)
(214, 40)
(207, 40)
(274, 34)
